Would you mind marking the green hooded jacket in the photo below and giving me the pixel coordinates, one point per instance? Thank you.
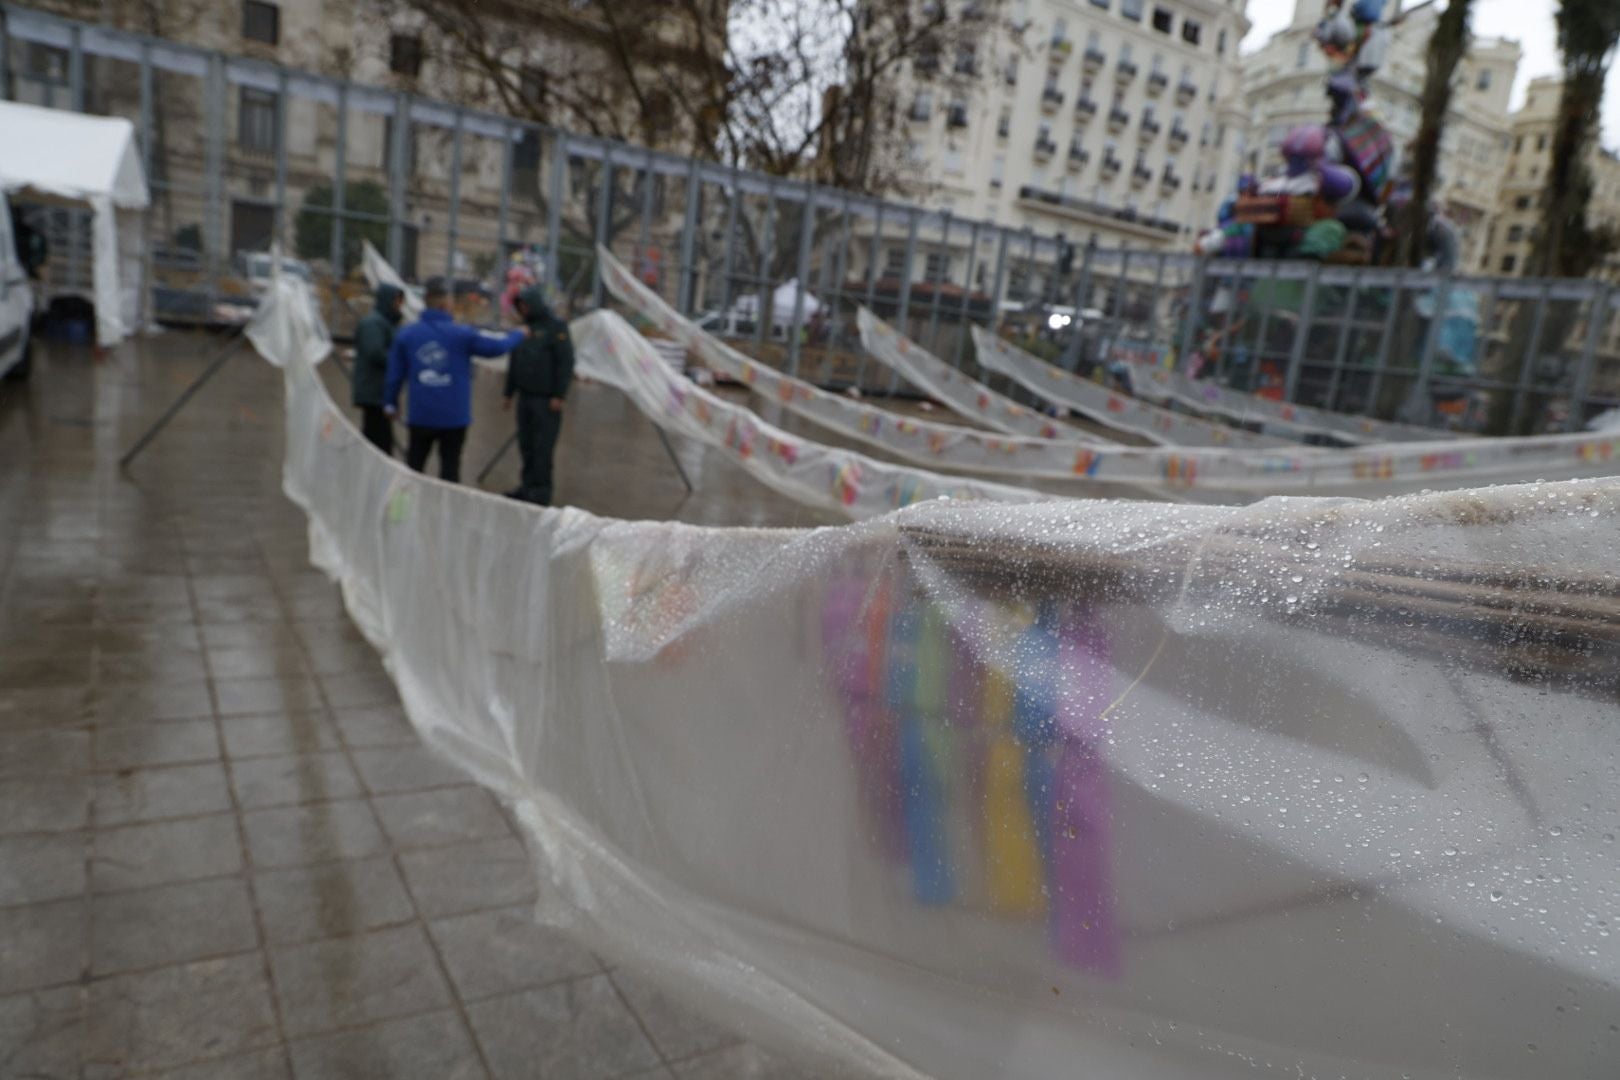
(544, 363)
(372, 339)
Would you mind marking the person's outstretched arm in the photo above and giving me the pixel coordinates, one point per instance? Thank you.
(482, 344)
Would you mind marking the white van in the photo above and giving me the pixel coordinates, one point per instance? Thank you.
(16, 303)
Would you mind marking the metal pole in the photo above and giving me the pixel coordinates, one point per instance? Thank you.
(962, 315)
(1384, 341)
(807, 231)
(398, 158)
(871, 283)
(1521, 385)
(1602, 301)
(503, 215)
(1417, 403)
(76, 69)
(147, 306)
(766, 313)
(215, 150)
(604, 210)
(559, 188)
(489, 466)
(232, 343)
(904, 309)
(1194, 318)
(934, 286)
(1331, 399)
(669, 449)
(999, 281)
(729, 258)
(453, 224)
(279, 217)
(339, 151)
(689, 235)
(1302, 333)
(644, 235)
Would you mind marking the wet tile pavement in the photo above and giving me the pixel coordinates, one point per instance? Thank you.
(223, 851)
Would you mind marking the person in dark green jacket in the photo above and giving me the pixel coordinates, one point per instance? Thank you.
(373, 337)
(537, 380)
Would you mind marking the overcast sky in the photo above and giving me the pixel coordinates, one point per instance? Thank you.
(1529, 22)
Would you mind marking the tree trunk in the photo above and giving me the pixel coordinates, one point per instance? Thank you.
(1446, 47)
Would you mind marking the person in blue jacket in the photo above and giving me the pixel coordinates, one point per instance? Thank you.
(434, 356)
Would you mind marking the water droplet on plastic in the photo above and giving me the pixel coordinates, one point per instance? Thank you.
(1496, 896)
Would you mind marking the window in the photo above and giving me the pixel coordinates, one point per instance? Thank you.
(894, 264)
(1004, 123)
(1094, 41)
(1484, 80)
(1157, 67)
(532, 85)
(405, 55)
(967, 60)
(253, 226)
(1012, 70)
(922, 107)
(1100, 3)
(1522, 203)
(1515, 233)
(261, 21)
(937, 268)
(1303, 55)
(1163, 20)
(1518, 144)
(1541, 142)
(256, 121)
(1131, 9)
(953, 160)
(998, 170)
(526, 151)
(1060, 30)
(46, 62)
(1125, 53)
(1508, 263)
(1220, 43)
(1191, 31)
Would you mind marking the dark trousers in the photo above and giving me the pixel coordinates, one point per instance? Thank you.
(449, 441)
(378, 428)
(537, 429)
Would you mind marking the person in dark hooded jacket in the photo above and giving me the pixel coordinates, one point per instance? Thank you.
(373, 337)
(537, 380)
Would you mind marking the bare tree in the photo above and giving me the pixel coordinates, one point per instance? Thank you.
(1447, 45)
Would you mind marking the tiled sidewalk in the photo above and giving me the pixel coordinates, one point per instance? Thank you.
(223, 851)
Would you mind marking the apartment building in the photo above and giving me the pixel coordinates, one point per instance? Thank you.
(281, 153)
(1117, 122)
(1285, 85)
(1518, 213)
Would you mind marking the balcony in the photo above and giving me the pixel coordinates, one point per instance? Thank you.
(1087, 210)
(1117, 120)
(1178, 136)
(1157, 81)
(1078, 157)
(1149, 130)
(1140, 175)
(1051, 99)
(1125, 72)
(1044, 148)
(1169, 182)
(1185, 92)
(1094, 60)
(1061, 48)
(1110, 166)
(1085, 109)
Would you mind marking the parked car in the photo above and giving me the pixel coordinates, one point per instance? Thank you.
(16, 303)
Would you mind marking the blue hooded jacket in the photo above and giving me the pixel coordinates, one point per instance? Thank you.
(434, 354)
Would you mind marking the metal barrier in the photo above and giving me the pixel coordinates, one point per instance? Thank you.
(241, 153)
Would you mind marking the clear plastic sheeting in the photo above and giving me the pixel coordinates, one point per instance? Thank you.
(1307, 788)
(610, 350)
(1117, 410)
(1159, 384)
(933, 376)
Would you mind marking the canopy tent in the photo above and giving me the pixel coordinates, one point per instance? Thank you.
(67, 158)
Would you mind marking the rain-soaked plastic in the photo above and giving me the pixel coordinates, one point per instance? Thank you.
(1307, 788)
(1117, 410)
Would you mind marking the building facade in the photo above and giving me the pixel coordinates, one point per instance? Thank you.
(1113, 122)
(1518, 212)
(1285, 84)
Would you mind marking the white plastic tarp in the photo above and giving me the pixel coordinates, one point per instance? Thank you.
(1306, 788)
(964, 396)
(1150, 380)
(1121, 411)
(71, 157)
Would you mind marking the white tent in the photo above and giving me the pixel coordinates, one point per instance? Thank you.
(69, 158)
(782, 301)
